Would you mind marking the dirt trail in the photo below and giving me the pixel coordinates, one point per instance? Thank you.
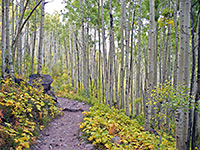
(62, 133)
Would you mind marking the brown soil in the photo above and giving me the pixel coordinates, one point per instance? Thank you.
(63, 132)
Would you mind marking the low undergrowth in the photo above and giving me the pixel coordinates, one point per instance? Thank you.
(112, 129)
(24, 112)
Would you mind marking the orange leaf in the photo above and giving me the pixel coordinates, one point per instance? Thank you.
(40, 114)
(112, 130)
(1, 114)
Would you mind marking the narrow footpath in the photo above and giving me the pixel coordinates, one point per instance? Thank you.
(63, 132)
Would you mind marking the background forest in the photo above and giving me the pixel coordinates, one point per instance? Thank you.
(139, 56)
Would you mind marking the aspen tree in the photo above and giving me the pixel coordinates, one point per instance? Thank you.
(39, 68)
(151, 64)
(99, 64)
(197, 94)
(123, 6)
(3, 65)
(131, 62)
(85, 75)
(34, 41)
(127, 34)
(111, 56)
(138, 61)
(8, 47)
(104, 56)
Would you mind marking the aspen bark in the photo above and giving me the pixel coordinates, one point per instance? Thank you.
(138, 61)
(99, 64)
(71, 58)
(181, 57)
(85, 75)
(41, 39)
(127, 34)
(123, 5)
(131, 62)
(192, 80)
(151, 60)
(3, 65)
(34, 41)
(110, 79)
(8, 47)
(197, 94)
(104, 56)
(186, 68)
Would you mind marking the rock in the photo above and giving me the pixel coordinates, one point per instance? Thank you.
(89, 146)
(18, 81)
(52, 94)
(116, 139)
(46, 81)
(72, 109)
(83, 143)
(47, 134)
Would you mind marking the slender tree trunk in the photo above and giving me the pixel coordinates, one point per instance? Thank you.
(186, 69)
(16, 62)
(138, 61)
(21, 38)
(127, 34)
(85, 75)
(110, 80)
(151, 65)
(95, 64)
(181, 67)
(131, 62)
(99, 35)
(164, 62)
(123, 6)
(34, 41)
(8, 48)
(12, 29)
(175, 70)
(192, 80)
(78, 64)
(195, 115)
(3, 65)
(71, 56)
(27, 52)
(104, 56)
(87, 46)
(41, 39)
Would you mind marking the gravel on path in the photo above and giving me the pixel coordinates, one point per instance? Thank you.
(63, 132)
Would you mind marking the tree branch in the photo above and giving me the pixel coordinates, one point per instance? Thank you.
(19, 31)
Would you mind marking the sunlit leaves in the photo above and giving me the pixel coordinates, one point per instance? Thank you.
(23, 112)
(102, 124)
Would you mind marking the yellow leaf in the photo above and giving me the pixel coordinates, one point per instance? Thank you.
(150, 146)
(26, 144)
(41, 127)
(19, 148)
(171, 22)
(38, 107)
(90, 138)
(29, 109)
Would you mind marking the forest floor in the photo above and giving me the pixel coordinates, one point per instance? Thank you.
(63, 132)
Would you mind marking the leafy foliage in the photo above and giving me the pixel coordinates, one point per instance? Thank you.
(101, 124)
(24, 111)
